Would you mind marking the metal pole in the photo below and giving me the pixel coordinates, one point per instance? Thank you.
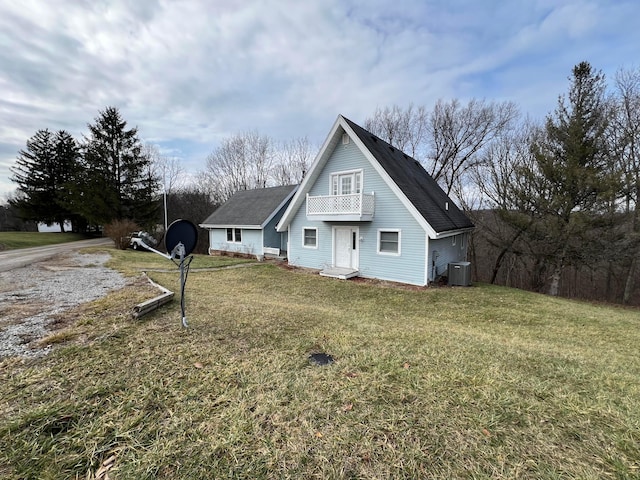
(182, 281)
(164, 194)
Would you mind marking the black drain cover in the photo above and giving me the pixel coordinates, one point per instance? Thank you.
(320, 359)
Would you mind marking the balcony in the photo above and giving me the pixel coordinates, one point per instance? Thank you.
(357, 207)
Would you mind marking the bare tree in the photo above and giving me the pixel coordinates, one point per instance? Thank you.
(241, 162)
(457, 134)
(406, 129)
(167, 169)
(626, 145)
(292, 161)
(500, 213)
(449, 140)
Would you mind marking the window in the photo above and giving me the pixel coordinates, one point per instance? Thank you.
(346, 183)
(234, 235)
(389, 242)
(310, 237)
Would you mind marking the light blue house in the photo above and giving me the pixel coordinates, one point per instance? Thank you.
(246, 223)
(367, 209)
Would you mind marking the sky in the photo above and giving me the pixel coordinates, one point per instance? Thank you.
(189, 73)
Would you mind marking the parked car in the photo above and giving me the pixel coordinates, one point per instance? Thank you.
(140, 240)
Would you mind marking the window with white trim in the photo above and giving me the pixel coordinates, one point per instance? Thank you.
(234, 235)
(310, 237)
(346, 183)
(389, 242)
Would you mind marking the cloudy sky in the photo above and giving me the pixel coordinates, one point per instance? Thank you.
(190, 72)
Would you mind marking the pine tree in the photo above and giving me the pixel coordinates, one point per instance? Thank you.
(570, 180)
(119, 183)
(43, 173)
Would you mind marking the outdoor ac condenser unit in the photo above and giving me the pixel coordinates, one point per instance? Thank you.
(459, 273)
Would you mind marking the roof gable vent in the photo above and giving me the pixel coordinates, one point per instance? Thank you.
(345, 139)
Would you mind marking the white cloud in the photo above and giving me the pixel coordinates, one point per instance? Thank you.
(189, 73)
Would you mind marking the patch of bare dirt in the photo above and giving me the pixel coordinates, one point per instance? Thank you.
(32, 297)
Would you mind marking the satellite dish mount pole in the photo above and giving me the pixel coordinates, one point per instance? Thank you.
(179, 252)
(181, 238)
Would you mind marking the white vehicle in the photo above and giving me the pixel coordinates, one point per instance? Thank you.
(139, 240)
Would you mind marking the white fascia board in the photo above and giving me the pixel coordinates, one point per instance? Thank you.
(311, 176)
(451, 233)
(390, 183)
(245, 227)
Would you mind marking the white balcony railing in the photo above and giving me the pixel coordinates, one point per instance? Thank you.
(357, 206)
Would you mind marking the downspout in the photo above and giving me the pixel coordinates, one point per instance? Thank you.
(426, 259)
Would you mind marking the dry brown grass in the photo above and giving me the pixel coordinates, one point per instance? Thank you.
(483, 382)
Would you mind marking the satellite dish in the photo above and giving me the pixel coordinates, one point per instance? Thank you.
(181, 232)
(181, 238)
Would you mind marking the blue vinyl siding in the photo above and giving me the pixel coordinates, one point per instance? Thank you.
(271, 237)
(447, 252)
(390, 213)
(251, 241)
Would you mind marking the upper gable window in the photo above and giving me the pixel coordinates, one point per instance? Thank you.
(346, 183)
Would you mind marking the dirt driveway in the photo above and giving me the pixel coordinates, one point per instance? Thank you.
(31, 296)
(10, 259)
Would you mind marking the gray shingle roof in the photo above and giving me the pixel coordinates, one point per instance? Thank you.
(418, 186)
(250, 207)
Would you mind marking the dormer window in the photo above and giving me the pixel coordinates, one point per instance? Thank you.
(346, 183)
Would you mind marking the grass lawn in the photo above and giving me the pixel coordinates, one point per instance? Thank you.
(12, 240)
(480, 382)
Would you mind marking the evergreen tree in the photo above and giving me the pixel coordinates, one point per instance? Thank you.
(43, 173)
(118, 180)
(569, 182)
(70, 171)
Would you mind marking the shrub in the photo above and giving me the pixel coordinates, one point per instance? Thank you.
(119, 231)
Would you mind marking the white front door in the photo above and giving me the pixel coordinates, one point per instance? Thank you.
(345, 245)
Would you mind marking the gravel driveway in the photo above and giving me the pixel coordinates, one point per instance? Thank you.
(31, 296)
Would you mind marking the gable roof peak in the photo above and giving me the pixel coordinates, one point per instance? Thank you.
(405, 175)
(415, 183)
